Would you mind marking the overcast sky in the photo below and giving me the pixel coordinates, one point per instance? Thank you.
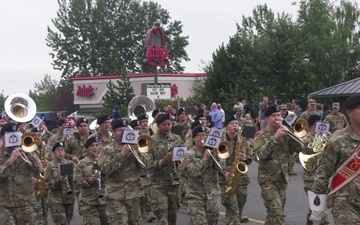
(24, 56)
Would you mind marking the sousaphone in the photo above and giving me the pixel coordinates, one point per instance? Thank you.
(139, 105)
(20, 107)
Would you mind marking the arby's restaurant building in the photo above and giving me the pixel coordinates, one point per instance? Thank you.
(88, 91)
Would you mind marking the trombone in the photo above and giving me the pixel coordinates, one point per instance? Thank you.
(223, 152)
(300, 130)
(29, 143)
(144, 143)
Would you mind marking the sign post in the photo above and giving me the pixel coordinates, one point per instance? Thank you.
(157, 54)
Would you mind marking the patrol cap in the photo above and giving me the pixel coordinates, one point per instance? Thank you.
(134, 123)
(312, 101)
(271, 109)
(91, 140)
(197, 129)
(119, 123)
(58, 144)
(81, 120)
(7, 128)
(313, 119)
(181, 110)
(162, 117)
(102, 119)
(336, 105)
(352, 102)
(143, 116)
(156, 111)
(229, 119)
(35, 130)
(61, 122)
(283, 106)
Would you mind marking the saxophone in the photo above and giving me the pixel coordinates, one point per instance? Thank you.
(40, 192)
(237, 168)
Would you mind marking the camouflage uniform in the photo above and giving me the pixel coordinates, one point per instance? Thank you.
(123, 188)
(17, 195)
(49, 155)
(74, 146)
(308, 176)
(61, 204)
(306, 114)
(273, 176)
(46, 136)
(346, 209)
(92, 208)
(203, 189)
(235, 203)
(164, 188)
(40, 206)
(337, 122)
(103, 142)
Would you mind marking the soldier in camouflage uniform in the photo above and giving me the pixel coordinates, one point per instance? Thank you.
(144, 120)
(40, 206)
(104, 134)
(60, 201)
(123, 189)
(336, 119)
(146, 210)
(16, 190)
(46, 134)
(58, 136)
(202, 190)
(165, 186)
(87, 175)
(311, 110)
(308, 175)
(346, 201)
(74, 146)
(154, 114)
(274, 148)
(235, 203)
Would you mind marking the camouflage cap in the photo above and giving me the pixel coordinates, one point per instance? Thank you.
(312, 101)
(336, 105)
(283, 106)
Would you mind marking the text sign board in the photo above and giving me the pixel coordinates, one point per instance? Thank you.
(158, 91)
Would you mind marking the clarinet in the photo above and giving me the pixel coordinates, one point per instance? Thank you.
(68, 188)
(176, 173)
(100, 190)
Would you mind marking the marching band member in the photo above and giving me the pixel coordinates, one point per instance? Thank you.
(58, 136)
(75, 144)
(144, 120)
(46, 134)
(164, 174)
(123, 189)
(202, 190)
(308, 175)
(61, 198)
(183, 123)
(104, 134)
(88, 177)
(146, 211)
(274, 148)
(234, 203)
(40, 206)
(341, 160)
(16, 189)
(155, 114)
(22, 127)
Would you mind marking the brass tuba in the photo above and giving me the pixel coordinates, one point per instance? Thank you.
(139, 105)
(20, 107)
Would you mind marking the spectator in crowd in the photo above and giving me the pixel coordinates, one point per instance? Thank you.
(116, 114)
(296, 107)
(222, 112)
(326, 111)
(247, 109)
(216, 116)
(174, 91)
(319, 109)
(263, 106)
(277, 102)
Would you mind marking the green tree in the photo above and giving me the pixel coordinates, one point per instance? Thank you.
(102, 37)
(119, 94)
(44, 93)
(2, 101)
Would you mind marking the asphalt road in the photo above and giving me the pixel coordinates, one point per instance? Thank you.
(295, 210)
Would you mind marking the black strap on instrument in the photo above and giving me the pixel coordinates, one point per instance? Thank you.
(232, 156)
